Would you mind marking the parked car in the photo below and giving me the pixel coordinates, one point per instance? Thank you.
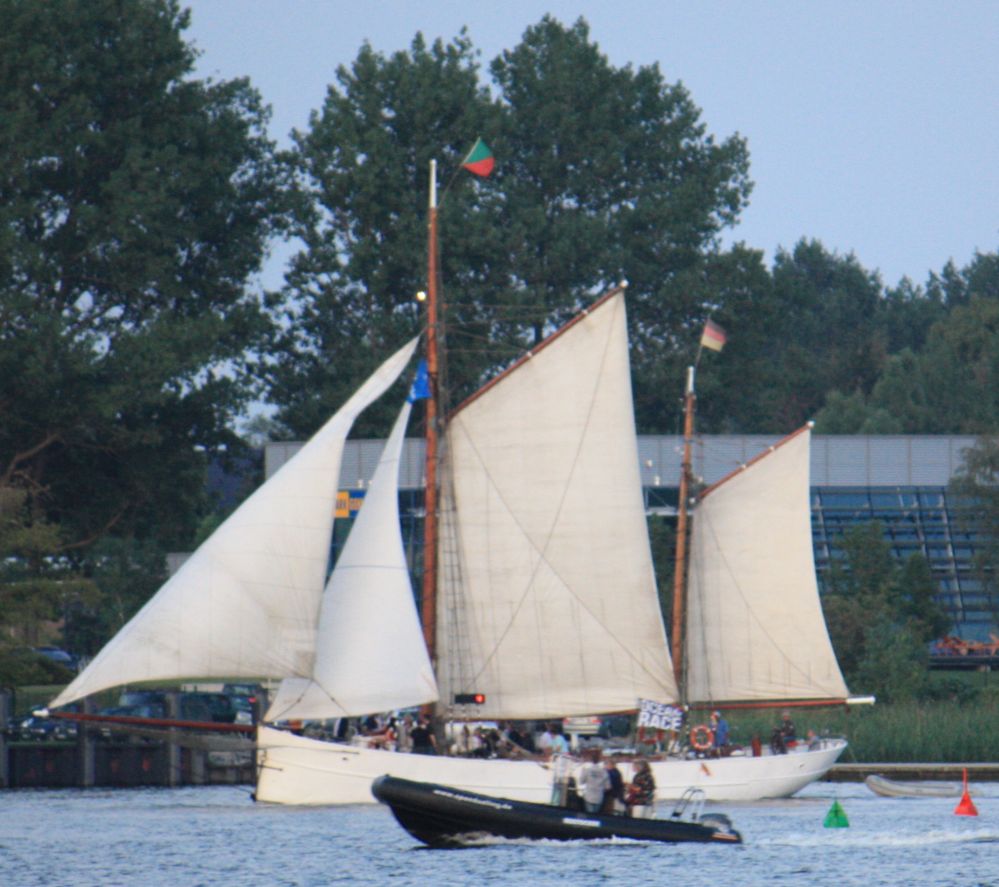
(34, 728)
(58, 655)
(139, 710)
(217, 708)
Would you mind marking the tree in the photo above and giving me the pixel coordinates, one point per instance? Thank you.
(975, 486)
(136, 203)
(919, 605)
(603, 173)
(361, 213)
(941, 375)
(36, 589)
(881, 615)
(826, 336)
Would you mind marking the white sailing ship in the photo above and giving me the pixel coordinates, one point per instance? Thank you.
(547, 603)
(539, 591)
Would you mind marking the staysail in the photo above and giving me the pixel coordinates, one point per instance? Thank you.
(755, 628)
(245, 604)
(548, 602)
(370, 654)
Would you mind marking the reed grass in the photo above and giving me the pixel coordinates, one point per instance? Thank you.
(953, 730)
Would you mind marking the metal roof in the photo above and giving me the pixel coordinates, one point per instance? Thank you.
(837, 460)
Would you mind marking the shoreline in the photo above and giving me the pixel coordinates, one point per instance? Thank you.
(945, 772)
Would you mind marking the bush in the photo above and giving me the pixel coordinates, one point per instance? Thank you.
(20, 666)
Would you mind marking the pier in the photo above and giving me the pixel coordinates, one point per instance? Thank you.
(946, 772)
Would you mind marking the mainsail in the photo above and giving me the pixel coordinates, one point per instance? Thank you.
(246, 603)
(548, 602)
(755, 629)
(370, 654)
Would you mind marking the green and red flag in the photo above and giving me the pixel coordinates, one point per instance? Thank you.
(480, 159)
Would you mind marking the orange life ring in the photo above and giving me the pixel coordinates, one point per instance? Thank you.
(701, 737)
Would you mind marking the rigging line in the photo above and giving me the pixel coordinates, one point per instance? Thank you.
(793, 667)
(541, 551)
(308, 682)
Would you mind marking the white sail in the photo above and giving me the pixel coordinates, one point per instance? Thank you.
(370, 653)
(755, 628)
(245, 604)
(547, 601)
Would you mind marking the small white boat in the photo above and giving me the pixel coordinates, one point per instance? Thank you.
(891, 788)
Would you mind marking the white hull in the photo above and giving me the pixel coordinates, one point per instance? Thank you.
(297, 770)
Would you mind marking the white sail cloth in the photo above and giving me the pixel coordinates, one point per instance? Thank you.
(547, 601)
(370, 654)
(246, 603)
(755, 628)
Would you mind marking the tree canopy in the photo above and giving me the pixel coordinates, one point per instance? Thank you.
(135, 203)
(603, 173)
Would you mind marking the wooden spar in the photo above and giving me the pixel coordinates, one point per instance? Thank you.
(680, 567)
(129, 720)
(428, 609)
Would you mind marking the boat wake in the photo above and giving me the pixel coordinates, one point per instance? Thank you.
(855, 838)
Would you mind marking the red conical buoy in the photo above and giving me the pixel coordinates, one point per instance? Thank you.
(966, 807)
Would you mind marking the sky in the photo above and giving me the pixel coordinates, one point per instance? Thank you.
(872, 126)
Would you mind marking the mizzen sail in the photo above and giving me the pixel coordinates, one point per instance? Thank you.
(548, 601)
(755, 628)
(246, 603)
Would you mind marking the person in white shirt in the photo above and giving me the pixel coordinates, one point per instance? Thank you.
(592, 782)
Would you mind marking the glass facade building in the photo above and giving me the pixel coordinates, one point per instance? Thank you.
(899, 481)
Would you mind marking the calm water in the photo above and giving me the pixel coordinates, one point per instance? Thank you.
(213, 836)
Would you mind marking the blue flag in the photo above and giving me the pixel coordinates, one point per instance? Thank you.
(420, 389)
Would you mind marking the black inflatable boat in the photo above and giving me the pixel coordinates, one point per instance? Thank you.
(440, 816)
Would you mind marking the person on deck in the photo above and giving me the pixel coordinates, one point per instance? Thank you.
(784, 735)
(560, 745)
(719, 730)
(422, 737)
(546, 739)
(641, 793)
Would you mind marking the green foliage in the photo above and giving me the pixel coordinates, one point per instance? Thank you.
(957, 723)
(126, 573)
(136, 204)
(662, 540)
(895, 664)
(941, 375)
(20, 666)
(915, 732)
(36, 585)
(881, 616)
(976, 486)
(601, 173)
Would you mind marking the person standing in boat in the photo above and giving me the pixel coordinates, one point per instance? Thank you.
(423, 739)
(614, 798)
(719, 735)
(642, 791)
(784, 736)
(404, 742)
(593, 782)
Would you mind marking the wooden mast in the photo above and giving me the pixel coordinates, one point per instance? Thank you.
(680, 567)
(428, 609)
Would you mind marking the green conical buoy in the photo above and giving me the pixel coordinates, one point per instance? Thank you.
(836, 817)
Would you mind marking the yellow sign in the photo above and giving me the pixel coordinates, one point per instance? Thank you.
(348, 503)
